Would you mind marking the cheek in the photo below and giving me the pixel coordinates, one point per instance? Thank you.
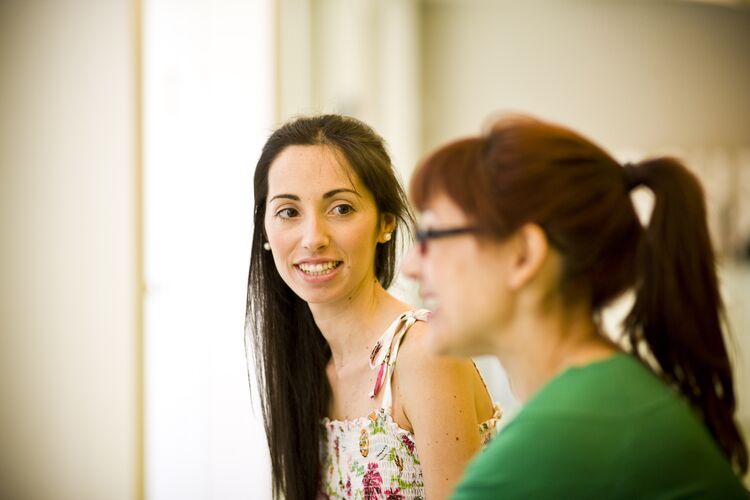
(487, 311)
(280, 242)
(471, 302)
(359, 241)
(447, 278)
(280, 236)
(269, 230)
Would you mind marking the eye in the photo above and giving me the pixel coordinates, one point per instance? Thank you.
(342, 209)
(287, 213)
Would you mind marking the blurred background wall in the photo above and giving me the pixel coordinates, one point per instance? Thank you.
(631, 74)
(208, 92)
(125, 220)
(70, 301)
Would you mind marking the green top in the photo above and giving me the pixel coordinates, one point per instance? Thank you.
(610, 429)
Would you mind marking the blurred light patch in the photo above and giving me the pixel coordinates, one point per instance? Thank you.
(208, 108)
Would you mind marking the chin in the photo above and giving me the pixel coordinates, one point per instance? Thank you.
(316, 298)
(440, 341)
(311, 296)
(443, 342)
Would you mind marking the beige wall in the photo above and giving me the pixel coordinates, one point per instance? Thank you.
(68, 251)
(630, 74)
(355, 57)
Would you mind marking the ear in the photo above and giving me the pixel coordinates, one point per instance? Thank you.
(530, 250)
(387, 226)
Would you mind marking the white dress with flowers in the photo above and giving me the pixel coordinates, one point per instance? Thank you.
(371, 457)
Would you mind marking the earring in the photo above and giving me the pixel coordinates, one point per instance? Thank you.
(266, 246)
(387, 236)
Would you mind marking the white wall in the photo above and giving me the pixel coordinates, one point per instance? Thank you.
(208, 109)
(68, 251)
(736, 294)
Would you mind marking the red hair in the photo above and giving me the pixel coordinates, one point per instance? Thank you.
(526, 170)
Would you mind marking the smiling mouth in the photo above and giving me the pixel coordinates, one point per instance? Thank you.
(319, 269)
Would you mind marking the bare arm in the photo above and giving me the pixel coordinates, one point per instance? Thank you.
(438, 399)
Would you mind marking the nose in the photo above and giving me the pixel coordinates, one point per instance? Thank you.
(315, 235)
(411, 265)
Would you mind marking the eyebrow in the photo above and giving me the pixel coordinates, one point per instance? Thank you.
(329, 194)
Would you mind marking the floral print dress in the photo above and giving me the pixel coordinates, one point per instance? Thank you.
(371, 457)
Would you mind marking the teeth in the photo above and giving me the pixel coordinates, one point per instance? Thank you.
(316, 269)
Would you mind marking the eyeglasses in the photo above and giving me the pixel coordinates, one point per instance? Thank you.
(424, 235)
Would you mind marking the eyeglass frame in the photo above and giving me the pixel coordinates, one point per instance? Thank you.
(422, 236)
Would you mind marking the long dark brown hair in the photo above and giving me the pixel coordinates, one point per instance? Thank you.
(525, 170)
(289, 351)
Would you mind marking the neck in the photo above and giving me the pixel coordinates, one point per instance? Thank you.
(352, 326)
(541, 346)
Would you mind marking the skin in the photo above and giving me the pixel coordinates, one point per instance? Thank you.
(501, 297)
(319, 211)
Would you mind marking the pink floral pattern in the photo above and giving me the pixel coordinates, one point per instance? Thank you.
(390, 471)
(394, 494)
(371, 482)
(408, 443)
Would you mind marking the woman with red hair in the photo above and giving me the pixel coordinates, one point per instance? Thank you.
(528, 232)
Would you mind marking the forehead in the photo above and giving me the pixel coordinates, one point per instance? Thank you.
(311, 170)
(440, 209)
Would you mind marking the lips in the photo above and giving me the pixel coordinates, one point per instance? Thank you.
(318, 268)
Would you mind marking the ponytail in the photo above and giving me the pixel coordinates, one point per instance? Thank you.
(678, 311)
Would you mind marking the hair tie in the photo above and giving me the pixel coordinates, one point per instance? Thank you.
(631, 176)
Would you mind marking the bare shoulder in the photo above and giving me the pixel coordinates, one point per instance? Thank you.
(438, 398)
(423, 375)
(416, 360)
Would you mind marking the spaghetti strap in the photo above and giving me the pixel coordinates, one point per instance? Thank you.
(385, 352)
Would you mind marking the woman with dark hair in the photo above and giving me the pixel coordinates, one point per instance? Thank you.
(528, 232)
(342, 417)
